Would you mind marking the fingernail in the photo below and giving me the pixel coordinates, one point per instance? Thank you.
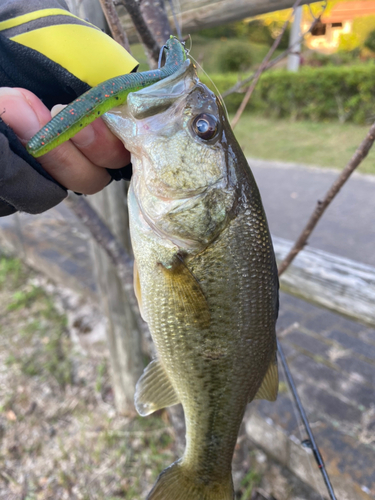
(57, 108)
(18, 113)
(29, 125)
(85, 137)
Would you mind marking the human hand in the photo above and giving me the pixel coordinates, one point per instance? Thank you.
(56, 57)
(80, 164)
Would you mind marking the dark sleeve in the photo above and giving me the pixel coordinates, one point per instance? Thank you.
(24, 184)
(53, 80)
(23, 188)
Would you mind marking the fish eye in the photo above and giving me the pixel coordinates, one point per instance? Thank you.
(205, 126)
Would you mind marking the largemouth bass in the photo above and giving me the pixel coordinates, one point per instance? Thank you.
(205, 276)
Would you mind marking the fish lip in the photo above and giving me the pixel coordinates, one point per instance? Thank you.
(154, 93)
(165, 82)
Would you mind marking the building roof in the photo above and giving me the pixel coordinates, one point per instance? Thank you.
(345, 11)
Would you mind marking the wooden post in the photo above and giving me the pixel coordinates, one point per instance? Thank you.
(198, 14)
(123, 334)
(124, 337)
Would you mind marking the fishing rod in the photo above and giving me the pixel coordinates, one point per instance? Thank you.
(311, 443)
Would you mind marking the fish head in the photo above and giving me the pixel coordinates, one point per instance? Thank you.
(183, 173)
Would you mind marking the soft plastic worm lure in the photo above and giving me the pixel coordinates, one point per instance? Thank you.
(96, 101)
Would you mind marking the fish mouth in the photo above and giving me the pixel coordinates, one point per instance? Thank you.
(155, 99)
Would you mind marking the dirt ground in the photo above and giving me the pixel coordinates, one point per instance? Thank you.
(60, 435)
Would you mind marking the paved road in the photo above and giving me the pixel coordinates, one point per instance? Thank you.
(290, 193)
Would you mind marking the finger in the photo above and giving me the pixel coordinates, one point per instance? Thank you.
(73, 170)
(17, 111)
(26, 114)
(98, 144)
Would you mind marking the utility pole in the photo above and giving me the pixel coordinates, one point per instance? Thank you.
(295, 35)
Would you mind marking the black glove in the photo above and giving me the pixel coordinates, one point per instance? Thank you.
(57, 56)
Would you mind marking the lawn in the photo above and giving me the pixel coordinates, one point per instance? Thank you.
(322, 144)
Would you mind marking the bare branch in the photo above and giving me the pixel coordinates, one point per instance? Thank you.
(143, 30)
(114, 23)
(104, 237)
(261, 68)
(156, 18)
(358, 157)
(272, 63)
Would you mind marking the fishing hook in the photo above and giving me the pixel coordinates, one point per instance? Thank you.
(161, 55)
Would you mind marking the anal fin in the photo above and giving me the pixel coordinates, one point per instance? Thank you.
(270, 385)
(154, 390)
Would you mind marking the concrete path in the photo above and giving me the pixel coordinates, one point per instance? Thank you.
(290, 194)
(332, 359)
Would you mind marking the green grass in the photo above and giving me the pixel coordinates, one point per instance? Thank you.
(323, 144)
(41, 330)
(251, 479)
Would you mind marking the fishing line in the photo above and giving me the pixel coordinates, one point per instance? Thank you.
(191, 45)
(213, 83)
(176, 23)
(311, 441)
(179, 10)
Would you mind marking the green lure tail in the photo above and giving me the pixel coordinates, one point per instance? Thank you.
(100, 99)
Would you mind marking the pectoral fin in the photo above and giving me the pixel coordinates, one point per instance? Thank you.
(270, 385)
(154, 390)
(185, 295)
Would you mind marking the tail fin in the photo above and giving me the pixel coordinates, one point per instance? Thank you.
(175, 483)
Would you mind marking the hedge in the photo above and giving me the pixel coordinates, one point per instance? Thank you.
(345, 93)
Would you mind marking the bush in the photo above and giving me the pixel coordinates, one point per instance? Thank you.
(326, 93)
(234, 57)
(257, 32)
(230, 30)
(370, 41)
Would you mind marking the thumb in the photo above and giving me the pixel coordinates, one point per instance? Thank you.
(22, 111)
